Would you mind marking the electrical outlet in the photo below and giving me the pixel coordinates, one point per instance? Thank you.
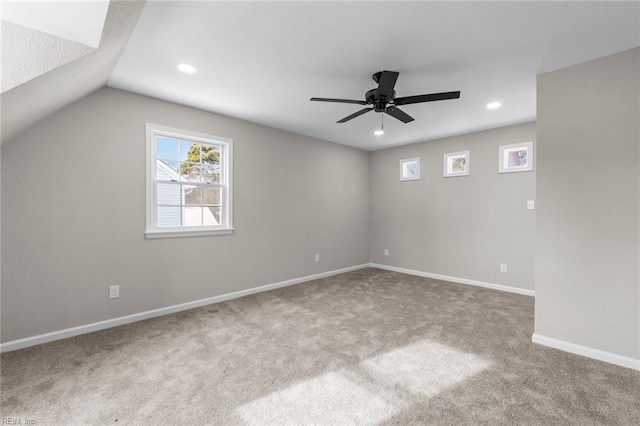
(386, 252)
(531, 205)
(317, 258)
(503, 267)
(114, 292)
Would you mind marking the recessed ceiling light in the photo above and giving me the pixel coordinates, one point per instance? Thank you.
(187, 69)
(379, 132)
(494, 105)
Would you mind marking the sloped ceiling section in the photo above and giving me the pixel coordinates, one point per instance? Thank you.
(31, 101)
(28, 53)
(79, 21)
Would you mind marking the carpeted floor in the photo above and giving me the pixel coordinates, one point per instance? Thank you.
(366, 347)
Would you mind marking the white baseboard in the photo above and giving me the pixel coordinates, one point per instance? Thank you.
(609, 357)
(456, 280)
(88, 328)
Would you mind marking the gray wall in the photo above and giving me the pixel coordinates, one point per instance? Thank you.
(73, 197)
(462, 227)
(587, 287)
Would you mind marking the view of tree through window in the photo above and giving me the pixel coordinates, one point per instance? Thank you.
(203, 165)
(201, 159)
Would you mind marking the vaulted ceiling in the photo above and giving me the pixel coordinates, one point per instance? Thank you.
(262, 61)
(54, 71)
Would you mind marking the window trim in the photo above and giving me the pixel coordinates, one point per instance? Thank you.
(226, 159)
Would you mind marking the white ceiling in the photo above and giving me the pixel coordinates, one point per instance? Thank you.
(262, 61)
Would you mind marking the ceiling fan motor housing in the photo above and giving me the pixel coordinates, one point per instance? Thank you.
(379, 102)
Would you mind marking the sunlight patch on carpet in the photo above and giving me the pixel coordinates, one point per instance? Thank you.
(425, 367)
(369, 392)
(328, 399)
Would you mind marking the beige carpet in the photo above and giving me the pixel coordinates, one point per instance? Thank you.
(367, 347)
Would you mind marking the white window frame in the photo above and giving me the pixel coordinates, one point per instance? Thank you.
(226, 162)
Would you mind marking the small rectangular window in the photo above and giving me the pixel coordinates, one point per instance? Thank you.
(188, 183)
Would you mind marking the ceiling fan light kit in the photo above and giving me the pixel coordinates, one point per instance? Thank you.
(380, 131)
(383, 99)
(187, 68)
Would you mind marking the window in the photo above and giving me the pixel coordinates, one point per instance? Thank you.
(188, 183)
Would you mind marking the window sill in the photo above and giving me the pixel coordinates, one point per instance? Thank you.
(176, 233)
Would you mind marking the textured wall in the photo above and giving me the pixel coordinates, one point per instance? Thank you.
(73, 197)
(462, 227)
(587, 287)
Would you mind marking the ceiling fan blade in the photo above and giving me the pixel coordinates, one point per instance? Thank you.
(399, 114)
(354, 115)
(426, 98)
(342, 101)
(386, 83)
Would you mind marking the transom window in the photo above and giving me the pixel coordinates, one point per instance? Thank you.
(188, 183)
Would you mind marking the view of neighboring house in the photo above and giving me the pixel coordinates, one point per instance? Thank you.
(180, 201)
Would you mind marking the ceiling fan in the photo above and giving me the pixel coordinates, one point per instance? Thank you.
(382, 98)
